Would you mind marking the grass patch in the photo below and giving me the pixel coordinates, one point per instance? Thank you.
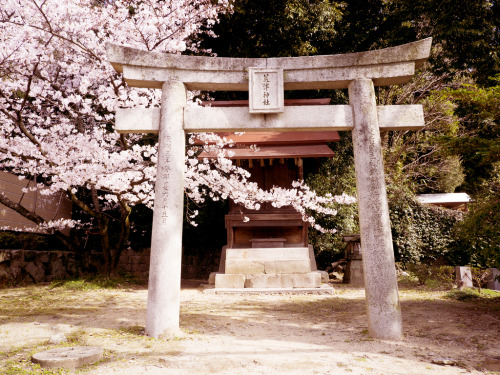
(98, 282)
(15, 368)
(133, 330)
(470, 294)
(18, 362)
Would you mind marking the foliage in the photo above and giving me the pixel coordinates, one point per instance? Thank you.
(478, 142)
(335, 175)
(416, 160)
(275, 28)
(9, 240)
(27, 241)
(478, 233)
(205, 240)
(32, 241)
(432, 275)
(474, 295)
(423, 233)
(478, 146)
(57, 99)
(465, 33)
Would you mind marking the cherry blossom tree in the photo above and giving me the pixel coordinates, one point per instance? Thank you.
(58, 95)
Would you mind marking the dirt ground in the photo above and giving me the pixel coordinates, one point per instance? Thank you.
(251, 334)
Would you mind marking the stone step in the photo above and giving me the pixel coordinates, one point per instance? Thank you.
(269, 253)
(306, 280)
(257, 267)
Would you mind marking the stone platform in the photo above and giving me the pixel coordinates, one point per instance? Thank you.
(324, 289)
(283, 267)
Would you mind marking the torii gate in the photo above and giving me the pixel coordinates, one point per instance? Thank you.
(266, 79)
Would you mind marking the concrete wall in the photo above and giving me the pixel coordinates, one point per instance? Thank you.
(47, 206)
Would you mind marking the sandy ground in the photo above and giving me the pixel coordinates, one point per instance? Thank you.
(252, 334)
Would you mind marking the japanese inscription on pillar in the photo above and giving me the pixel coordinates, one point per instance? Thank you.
(266, 94)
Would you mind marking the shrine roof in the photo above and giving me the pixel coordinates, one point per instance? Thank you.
(276, 144)
(275, 152)
(444, 198)
(276, 137)
(281, 138)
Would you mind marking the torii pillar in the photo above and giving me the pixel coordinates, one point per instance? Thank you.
(266, 80)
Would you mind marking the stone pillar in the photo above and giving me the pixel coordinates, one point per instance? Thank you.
(162, 319)
(384, 313)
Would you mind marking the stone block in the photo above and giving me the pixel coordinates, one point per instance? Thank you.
(354, 273)
(312, 258)
(324, 276)
(36, 271)
(4, 256)
(267, 242)
(16, 270)
(285, 253)
(143, 268)
(4, 277)
(211, 278)
(273, 267)
(229, 281)
(222, 261)
(493, 282)
(307, 280)
(43, 257)
(287, 266)
(463, 277)
(57, 268)
(247, 267)
(17, 256)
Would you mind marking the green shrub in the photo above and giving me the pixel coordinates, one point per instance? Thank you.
(33, 241)
(479, 233)
(471, 294)
(335, 176)
(424, 234)
(9, 240)
(432, 276)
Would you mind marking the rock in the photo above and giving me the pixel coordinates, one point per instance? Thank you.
(57, 269)
(463, 277)
(69, 357)
(36, 271)
(444, 361)
(4, 278)
(58, 338)
(211, 278)
(4, 256)
(325, 277)
(16, 270)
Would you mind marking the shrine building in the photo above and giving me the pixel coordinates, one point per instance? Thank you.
(279, 233)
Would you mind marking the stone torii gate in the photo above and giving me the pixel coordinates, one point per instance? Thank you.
(266, 79)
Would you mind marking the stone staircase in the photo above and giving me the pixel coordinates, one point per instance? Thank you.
(273, 267)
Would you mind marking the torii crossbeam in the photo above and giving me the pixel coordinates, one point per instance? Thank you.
(266, 80)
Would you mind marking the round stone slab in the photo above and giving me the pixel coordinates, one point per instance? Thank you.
(68, 357)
